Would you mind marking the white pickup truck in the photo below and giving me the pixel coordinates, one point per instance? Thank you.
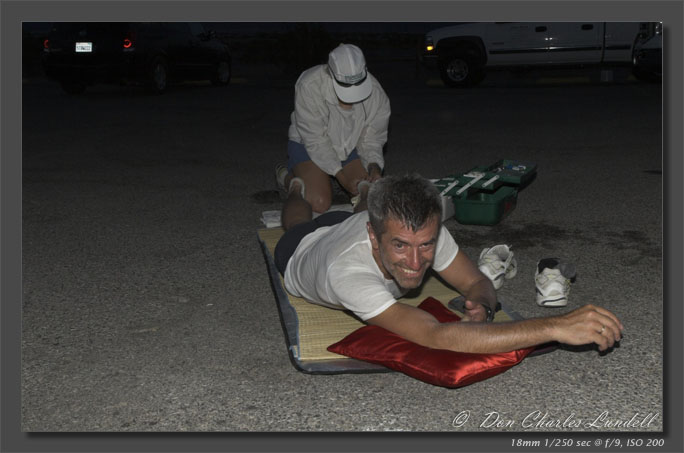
(463, 52)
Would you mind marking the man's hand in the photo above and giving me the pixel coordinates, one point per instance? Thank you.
(477, 289)
(351, 184)
(374, 172)
(347, 183)
(474, 312)
(588, 324)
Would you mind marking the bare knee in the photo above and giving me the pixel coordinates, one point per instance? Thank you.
(319, 202)
(318, 191)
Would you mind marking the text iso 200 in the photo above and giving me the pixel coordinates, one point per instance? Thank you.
(645, 442)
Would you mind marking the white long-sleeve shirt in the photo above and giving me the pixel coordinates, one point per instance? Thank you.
(329, 132)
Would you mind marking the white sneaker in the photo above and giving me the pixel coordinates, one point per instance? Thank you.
(357, 198)
(552, 280)
(498, 263)
(281, 172)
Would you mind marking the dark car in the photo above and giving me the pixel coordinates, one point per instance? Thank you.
(153, 53)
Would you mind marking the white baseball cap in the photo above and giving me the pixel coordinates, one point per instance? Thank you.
(348, 69)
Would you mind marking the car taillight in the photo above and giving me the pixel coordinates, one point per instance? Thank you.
(129, 40)
(46, 44)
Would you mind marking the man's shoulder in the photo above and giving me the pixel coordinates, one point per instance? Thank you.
(313, 75)
(378, 96)
(316, 82)
(358, 220)
(349, 232)
(354, 264)
(374, 80)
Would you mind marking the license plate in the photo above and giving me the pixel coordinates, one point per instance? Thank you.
(84, 47)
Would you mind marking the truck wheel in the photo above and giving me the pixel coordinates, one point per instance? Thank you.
(158, 76)
(461, 71)
(222, 73)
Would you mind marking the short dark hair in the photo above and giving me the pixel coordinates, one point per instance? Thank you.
(411, 199)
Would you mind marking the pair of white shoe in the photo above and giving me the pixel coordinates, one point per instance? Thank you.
(552, 278)
(281, 173)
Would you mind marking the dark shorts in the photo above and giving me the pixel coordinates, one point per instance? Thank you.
(289, 241)
(296, 154)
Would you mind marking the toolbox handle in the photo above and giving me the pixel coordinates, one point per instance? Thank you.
(489, 181)
(449, 187)
(472, 181)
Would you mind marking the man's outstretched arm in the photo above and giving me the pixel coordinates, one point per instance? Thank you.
(585, 325)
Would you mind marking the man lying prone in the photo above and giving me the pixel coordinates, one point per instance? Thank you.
(364, 262)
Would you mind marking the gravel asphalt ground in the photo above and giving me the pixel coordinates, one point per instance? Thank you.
(147, 305)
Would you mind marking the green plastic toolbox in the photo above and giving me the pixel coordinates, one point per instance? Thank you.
(482, 208)
(457, 186)
(485, 194)
(475, 203)
(511, 172)
(453, 185)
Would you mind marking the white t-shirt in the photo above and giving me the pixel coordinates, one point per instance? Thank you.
(334, 267)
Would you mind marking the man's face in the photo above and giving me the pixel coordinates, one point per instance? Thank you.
(403, 254)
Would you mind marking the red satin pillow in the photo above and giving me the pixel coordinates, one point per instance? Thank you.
(435, 366)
